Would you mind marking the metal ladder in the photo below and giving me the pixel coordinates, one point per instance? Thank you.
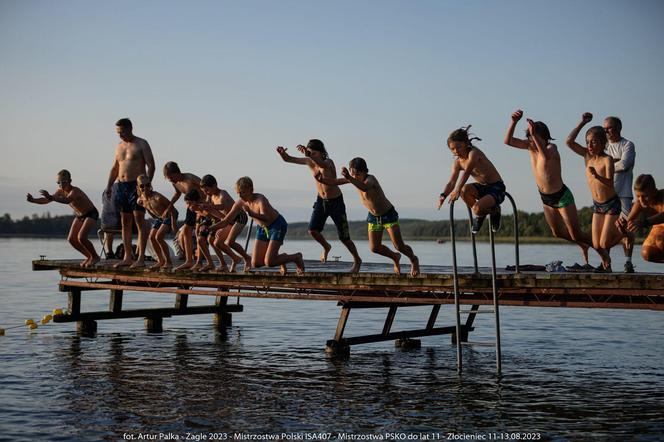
(475, 308)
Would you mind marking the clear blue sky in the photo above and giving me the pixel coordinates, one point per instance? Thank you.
(216, 86)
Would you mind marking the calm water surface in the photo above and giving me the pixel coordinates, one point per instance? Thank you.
(568, 374)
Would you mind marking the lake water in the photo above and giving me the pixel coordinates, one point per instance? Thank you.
(568, 374)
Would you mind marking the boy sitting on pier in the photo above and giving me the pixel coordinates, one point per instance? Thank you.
(183, 183)
(599, 174)
(487, 193)
(559, 208)
(155, 203)
(86, 215)
(225, 239)
(270, 230)
(648, 211)
(382, 214)
(329, 201)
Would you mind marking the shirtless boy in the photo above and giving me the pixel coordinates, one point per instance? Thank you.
(133, 157)
(382, 214)
(86, 215)
(599, 174)
(648, 211)
(225, 239)
(271, 228)
(156, 203)
(485, 195)
(559, 208)
(329, 202)
(204, 219)
(183, 183)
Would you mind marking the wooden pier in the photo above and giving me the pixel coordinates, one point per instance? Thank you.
(374, 287)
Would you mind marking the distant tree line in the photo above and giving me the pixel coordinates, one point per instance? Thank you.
(531, 225)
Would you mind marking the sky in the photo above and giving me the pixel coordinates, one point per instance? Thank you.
(216, 86)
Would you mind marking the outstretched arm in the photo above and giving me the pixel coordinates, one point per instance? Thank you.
(467, 173)
(330, 181)
(510, 139)
(171, 203)
(362, 185)
(32, 199)
(571, 138)
(289, 159)
(59, 196)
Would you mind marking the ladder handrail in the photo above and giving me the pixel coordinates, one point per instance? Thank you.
(455, 274)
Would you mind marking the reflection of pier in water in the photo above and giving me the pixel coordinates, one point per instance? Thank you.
(374, 287)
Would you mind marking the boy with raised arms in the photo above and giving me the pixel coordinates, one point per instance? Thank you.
(86, 215)
(559, 207)
(599, 174)
(329, 201)
(382, 214)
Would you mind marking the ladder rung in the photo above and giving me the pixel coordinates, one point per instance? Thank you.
(476, 311)
(480, 344)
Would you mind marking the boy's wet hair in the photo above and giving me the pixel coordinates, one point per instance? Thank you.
(599, 132)
(358, 164)
(208, 181)
(541, 130)
(615, 121)
(171, 167)
(462, 135)
(64, 175)
(192, 195)
(645, 183)
(244, 183)
(124, 123)
(318, 146)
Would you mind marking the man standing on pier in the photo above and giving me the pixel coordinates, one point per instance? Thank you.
(133, 157)
(623, 154)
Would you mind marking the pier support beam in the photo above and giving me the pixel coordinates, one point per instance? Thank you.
(223, 319)
(154, 324)
(87, 328)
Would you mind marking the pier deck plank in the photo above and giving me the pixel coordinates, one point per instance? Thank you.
(377, 284)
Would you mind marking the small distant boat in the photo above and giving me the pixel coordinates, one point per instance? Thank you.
(440, 241)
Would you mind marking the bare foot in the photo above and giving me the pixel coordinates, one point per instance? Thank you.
(282, 269)
(184, 266)
(397, 269)
(93, 261)
(206, 267)
(124, 263)
(156, 266)
(233, 268)
(356, 266)
(299, 264)
(137, 264)
(323, 255)
(167, 266)
(84, 263)
(605, 257)
(247, 264)
(415, 267)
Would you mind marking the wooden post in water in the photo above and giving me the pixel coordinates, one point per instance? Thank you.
(154, 324)
(222, 319)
